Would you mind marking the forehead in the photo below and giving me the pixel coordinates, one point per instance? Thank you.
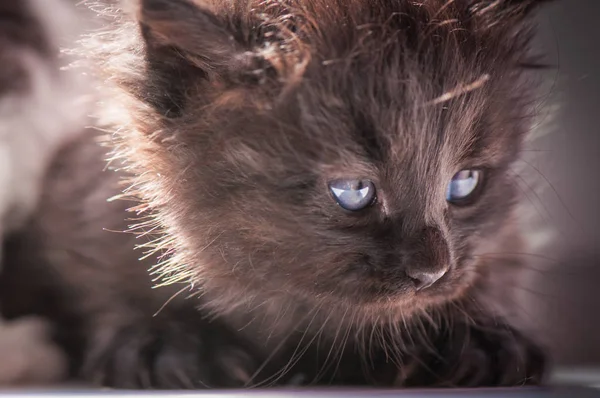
(414, 84)
(404, 75)
(400, 113)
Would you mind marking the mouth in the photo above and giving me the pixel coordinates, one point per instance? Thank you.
(364, 283)
(421, 289)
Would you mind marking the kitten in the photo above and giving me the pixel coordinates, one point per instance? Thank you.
(320, 184)
(40, 108)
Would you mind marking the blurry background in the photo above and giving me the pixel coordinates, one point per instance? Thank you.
(568, 288)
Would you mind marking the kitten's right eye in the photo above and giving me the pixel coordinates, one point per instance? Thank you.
(353, 195)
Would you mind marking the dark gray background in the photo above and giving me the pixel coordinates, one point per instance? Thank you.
(568, 309)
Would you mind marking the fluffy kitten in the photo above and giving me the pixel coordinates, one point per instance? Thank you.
(328, 180)
(40, 109)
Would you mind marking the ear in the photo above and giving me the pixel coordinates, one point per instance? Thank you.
(189, 28)
(184, 43)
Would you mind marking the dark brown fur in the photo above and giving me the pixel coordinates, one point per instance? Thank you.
(233, 117)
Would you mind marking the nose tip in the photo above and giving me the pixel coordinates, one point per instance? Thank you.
(423, 280)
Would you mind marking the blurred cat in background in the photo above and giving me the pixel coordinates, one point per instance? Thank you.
(41, 108)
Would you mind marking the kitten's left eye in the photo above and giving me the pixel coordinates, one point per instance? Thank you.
(462, 185)
(353, 195)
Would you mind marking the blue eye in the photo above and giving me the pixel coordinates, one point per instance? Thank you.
(462, 185)
(353, 195)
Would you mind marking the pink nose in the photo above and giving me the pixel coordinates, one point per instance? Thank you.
(423, 280)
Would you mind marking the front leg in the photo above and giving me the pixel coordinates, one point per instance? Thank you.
(483, 353)
(177, 351)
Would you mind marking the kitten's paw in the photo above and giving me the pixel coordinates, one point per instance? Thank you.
(482, 357)
(498, 357)
(171, 356)
(28, 355)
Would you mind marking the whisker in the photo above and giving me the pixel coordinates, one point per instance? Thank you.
(343, 347)
(525, 193)
(171, 299)
(325, 365)
(275, 351)
(554, 190)
(295, 357)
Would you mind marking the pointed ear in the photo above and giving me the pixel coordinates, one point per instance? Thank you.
(184, 42)
(190, 29)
